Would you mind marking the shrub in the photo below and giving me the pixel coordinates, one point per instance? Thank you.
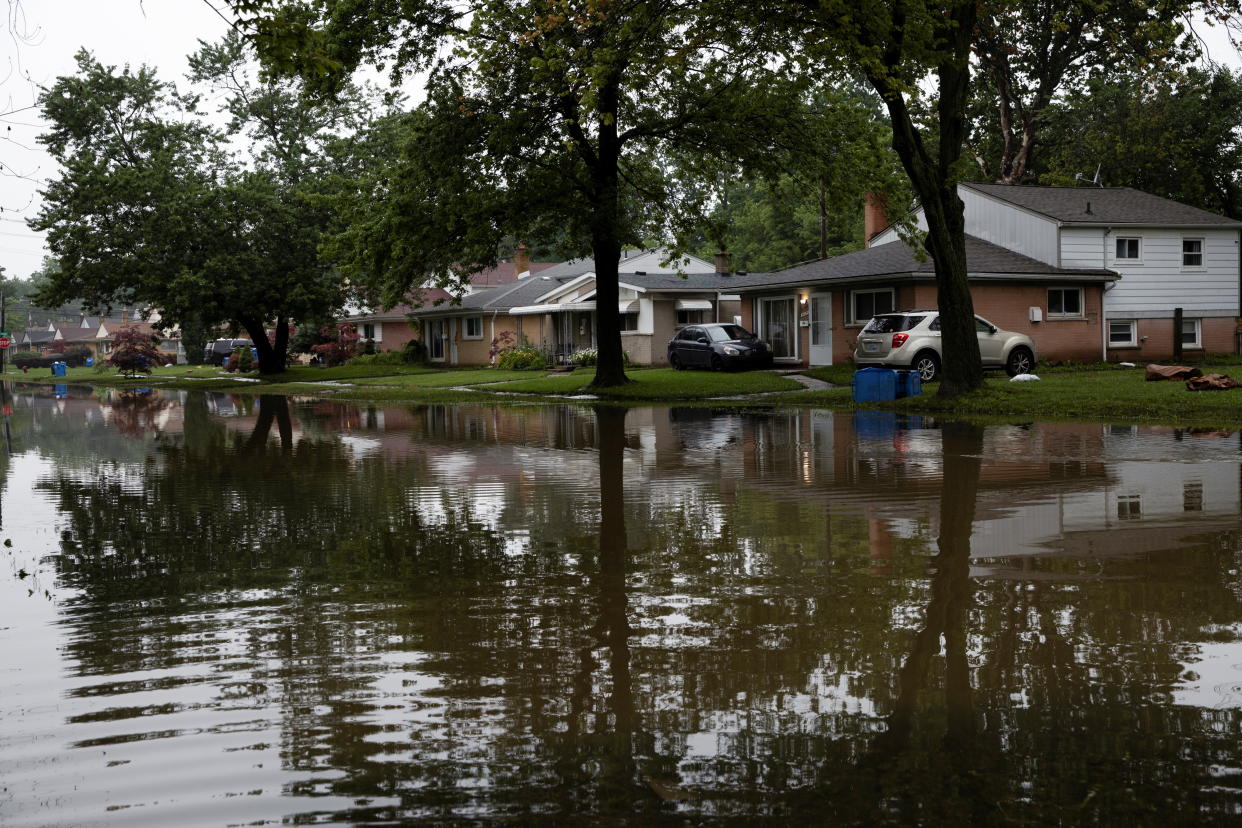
(76, 357)
(414, 352)
(386, 358)
(16, 355)
(501, 342)
(523, 358)
(585, 358)
(243, 359)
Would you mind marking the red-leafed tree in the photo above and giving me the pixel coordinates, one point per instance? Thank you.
(134, 351)
(342, 347)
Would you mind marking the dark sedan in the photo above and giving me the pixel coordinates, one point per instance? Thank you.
(719, 347)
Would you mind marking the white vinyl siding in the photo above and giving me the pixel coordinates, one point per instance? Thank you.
(1159, 284)
(1010, 227)
(1083, 247)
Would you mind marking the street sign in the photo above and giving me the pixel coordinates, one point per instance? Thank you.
(5, 341)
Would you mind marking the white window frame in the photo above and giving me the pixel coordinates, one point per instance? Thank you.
(689, 316)
(1202, 254)
(1082, 310)
(1126, 259)
(850, 304)
(1198, 333)
(368, 331)
(630, 319)
(465, 327)
(1132, 341)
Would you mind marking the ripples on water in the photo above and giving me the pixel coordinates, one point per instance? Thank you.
(222, 611)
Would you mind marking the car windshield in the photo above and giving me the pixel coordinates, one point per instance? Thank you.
(728, 333)
(892, 323)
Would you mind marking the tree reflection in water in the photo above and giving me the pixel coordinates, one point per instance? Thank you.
(458, 628)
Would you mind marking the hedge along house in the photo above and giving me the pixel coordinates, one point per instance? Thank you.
(1168, 255)
(555, 310)
(811, 314)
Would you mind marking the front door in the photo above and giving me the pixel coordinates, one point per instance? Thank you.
(821, 329)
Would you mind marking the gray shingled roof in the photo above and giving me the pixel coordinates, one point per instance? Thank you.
(898, 259)
(1108, 205)
(528, 291)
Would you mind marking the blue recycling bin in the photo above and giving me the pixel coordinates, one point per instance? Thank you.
(60, 369)
(90, 362)
(909, 384)
(875, 385)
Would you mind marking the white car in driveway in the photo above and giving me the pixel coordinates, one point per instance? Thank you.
(911, 339)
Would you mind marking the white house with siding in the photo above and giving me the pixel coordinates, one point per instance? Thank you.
(1169, 255)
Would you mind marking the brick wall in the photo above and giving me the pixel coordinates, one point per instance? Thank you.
(1217, 335)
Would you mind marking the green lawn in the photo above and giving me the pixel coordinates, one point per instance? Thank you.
(1115, 394)
(443, 379)
(657, 384)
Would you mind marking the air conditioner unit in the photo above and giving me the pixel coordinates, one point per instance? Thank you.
(1037, 314)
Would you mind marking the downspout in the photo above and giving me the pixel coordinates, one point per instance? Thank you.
(496, 311)
(1107, 287)
(718, 295)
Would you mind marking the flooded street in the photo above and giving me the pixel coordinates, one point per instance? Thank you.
(226, 610)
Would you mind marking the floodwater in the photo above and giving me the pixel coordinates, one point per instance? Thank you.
(231, 611)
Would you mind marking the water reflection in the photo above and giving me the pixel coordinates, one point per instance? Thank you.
(268, 609)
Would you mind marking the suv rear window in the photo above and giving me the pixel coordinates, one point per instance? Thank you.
(892, 323)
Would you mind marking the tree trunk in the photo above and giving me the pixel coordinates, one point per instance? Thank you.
(606, 246)
(270, 362)
(935, 183)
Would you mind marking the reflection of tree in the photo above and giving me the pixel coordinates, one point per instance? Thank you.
(505, 645)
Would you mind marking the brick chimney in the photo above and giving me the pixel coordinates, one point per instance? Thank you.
(521, 259)
(724, 263)
(875, 216)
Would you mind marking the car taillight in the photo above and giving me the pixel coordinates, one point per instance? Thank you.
(900, 339)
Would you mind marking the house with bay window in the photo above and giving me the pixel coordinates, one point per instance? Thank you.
(1089, 273)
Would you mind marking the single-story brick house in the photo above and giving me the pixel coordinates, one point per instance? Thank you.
(555, 310)
(812, 313)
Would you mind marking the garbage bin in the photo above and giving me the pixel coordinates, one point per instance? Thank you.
(909, 384)
(60, 369)
(90, 362)
(875, 385)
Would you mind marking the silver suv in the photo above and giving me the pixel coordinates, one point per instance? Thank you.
(911, 339)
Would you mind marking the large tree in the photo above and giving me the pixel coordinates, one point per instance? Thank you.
(903, 48)
(540, 115)
(152, 208)
(1031, 52)
(1176, 136)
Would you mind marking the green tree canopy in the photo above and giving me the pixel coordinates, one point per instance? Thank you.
(152, 208)
(542, 119)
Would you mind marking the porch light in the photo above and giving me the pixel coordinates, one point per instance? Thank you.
(802, 300)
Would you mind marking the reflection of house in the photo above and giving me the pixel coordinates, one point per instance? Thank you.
(1087, 272)
(555, 310)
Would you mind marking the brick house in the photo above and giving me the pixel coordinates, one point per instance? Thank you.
(554, 310)
(1089, 273)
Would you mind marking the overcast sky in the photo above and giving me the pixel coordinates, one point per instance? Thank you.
(37, 43)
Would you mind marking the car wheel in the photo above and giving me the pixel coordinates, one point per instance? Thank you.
(675, 362)
(928, 366)
(1021, 361)
(717, 364)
